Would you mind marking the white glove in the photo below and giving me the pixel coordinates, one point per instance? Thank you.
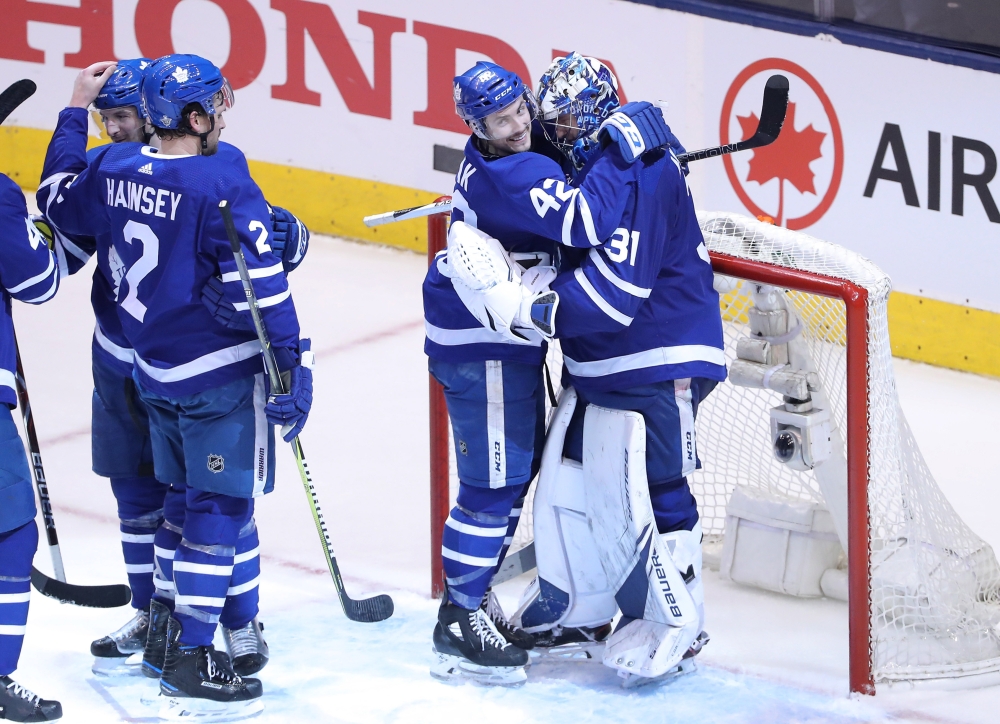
(490, 284)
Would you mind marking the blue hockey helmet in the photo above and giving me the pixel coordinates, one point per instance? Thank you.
(174, 81)
(123, 87)
(485, 89)
(575, 95)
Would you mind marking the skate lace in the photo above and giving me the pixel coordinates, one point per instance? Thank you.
(495, 611)
(217, 674)
(483, 627)
(29, 696)
(132, 628)
(243, 640)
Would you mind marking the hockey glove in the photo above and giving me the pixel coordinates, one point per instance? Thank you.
(45, 229)
(214, 298)
(292, 409)
(289, 238)
(638, 127)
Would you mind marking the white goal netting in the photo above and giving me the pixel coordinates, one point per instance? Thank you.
(935, 585)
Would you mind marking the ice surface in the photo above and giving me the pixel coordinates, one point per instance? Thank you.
(771, 659)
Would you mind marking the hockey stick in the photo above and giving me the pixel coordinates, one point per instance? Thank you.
(368, 610)
(91, 596)
(414, 212)
(16, 94)
(772, 117)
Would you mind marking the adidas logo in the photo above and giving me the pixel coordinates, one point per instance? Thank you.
(147, 169)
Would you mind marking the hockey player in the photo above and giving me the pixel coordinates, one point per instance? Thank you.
(201, 381)
(28, 273)
(493, 376)
(120, 426)
(641, 333)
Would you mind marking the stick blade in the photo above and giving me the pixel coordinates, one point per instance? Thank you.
(772, 112)
(113, 596)
(368, 610)
(16, 94)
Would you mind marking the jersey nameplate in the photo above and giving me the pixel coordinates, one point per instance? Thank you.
(142, 199)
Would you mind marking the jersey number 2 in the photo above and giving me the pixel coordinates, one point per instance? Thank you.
(134, 231)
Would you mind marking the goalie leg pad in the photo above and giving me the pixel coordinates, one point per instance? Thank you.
(660, 619)
(572, 589)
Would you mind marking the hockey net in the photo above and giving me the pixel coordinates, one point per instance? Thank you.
(924, 588)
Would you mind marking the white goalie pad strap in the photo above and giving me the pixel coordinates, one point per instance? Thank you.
(684, 547)
(565, 551)
(486, 280)
(644, 576)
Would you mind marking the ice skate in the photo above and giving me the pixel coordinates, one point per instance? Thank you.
(468, 646)
(572, 644)
(156, 640)
(519, 637)
(19, 704)
(247, 647)
(199, 684)
(115, 654)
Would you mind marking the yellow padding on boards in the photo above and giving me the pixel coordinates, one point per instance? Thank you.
(326, 202)
(944, 334)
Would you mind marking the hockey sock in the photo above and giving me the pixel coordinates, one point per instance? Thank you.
(203, 564)
(17, 548)
(474, 535)
(140, 512)
(674, 508)
(512, 520)
(165, 542)
(242, 597)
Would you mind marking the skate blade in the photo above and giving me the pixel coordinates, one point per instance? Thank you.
(174, 708)
(118, 666)
(581, 651)
(456, 670)
(633, 681)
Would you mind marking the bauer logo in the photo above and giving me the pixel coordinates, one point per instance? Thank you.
(216, 463)
(795, 179)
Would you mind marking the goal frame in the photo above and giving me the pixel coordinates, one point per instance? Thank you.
(855, 299)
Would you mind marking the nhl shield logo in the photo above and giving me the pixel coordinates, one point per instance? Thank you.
(216, 464)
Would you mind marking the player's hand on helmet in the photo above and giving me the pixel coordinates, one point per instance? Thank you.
(89, 82)
(636, 128)
(213, 297)
(292, 409)
(289, 238)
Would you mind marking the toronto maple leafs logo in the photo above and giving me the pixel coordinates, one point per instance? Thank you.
(117, 270)
(181, 74)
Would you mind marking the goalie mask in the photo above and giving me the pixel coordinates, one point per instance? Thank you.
(575, 95)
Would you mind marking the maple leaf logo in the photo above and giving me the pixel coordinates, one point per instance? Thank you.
(787, 159)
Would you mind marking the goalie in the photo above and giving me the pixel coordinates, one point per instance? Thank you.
(641, 335)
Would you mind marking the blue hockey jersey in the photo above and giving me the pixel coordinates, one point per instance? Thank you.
(509, 198)
(641, 307)
(160, 214)
(67, 156)
(28, 273)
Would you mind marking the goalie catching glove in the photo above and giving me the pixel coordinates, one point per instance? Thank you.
(292, 409)
(495, 289)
